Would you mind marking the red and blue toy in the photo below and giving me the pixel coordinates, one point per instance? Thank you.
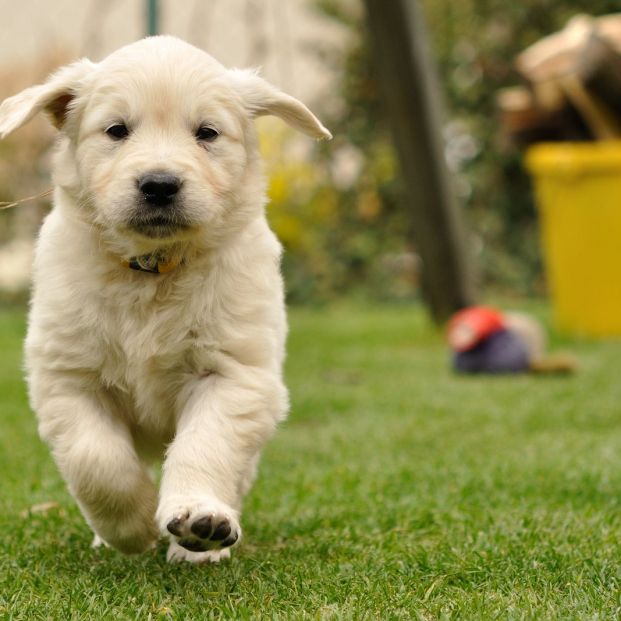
(483, 342)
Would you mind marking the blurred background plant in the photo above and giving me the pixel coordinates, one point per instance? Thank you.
(336, 205)
(474, 43)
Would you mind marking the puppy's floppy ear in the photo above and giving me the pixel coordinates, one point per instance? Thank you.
(261, 98)
(54, 96)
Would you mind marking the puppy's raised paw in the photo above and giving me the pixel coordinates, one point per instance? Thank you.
(202, 527)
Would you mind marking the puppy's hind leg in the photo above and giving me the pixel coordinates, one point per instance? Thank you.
(96, 456)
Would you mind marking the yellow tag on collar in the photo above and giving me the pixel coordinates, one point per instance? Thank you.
(152, 263)
(163, 267)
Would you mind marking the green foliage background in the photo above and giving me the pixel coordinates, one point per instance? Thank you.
(473, 43)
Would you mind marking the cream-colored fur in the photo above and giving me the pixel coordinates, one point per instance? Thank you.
(125, 367)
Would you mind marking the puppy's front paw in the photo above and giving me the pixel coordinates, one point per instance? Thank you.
(203, 526)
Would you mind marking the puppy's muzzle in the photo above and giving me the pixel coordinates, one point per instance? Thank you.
(159, 212)
(159, 189)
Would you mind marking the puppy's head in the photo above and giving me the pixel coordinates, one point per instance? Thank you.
(159, 144)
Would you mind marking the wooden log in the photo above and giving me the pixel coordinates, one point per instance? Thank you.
(411, 101)
(604, 124)
(556, 55)
(563, 52)
(524, 121)
(609, 28)
(599, 69)
(582, 65)
(520, 111)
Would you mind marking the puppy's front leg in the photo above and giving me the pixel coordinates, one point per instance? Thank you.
(95, 454)
(224, 423)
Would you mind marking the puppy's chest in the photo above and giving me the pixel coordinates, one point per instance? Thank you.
(147, 358)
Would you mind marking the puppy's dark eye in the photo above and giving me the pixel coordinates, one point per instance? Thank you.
(208, 134)
(118, 131)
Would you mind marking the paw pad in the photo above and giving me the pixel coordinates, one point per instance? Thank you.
(204, 532)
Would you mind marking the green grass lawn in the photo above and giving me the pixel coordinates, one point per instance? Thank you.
(396, 490)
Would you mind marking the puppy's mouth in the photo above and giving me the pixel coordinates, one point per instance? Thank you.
(157, 223)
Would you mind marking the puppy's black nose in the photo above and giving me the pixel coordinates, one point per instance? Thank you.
(159, 188)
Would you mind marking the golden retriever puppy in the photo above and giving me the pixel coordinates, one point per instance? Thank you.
(157, 326)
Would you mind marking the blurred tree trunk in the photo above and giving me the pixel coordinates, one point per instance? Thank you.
(412, 102)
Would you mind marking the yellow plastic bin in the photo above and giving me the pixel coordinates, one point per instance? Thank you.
(578, 191)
